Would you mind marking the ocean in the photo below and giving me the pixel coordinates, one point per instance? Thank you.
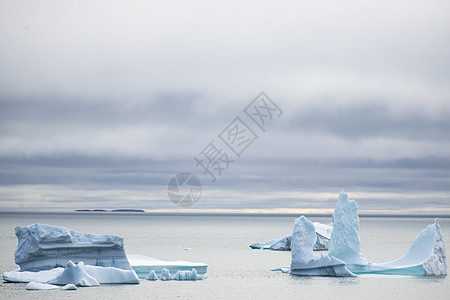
(235, 271)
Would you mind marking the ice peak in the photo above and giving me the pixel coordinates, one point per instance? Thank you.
(345, 243)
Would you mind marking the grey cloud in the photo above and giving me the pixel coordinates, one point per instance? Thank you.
(112, 95)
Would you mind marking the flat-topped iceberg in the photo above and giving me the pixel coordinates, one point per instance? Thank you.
(305, 261)
(323, 235)
(43, 247)
(144, 265)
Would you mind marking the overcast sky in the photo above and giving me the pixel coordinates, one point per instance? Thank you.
(102, 102)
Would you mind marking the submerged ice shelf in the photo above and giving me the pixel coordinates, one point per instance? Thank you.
(144, 265)
(323, 235)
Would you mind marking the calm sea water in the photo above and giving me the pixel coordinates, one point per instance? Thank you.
(235, 271)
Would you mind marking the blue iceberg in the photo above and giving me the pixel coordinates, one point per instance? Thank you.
(426, 256)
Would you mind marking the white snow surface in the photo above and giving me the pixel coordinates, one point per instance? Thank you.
(305, 261)
(43, 247)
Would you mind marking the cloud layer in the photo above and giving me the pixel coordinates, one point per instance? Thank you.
(102, 102)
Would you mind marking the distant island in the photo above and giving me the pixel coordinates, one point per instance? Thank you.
(112, 210)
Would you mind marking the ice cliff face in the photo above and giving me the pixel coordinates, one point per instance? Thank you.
(437, 263)
(345, 243)
(42, 247)
(303, 240)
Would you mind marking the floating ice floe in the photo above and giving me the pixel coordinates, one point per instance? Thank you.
(40, 286)
(43, 247)
(78, 274)
(144, 265)
(69, 287)
(323, 235)
(425, 257)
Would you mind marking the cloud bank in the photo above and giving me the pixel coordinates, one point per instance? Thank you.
(102, 102)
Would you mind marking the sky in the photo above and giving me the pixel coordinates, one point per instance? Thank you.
(103, 102)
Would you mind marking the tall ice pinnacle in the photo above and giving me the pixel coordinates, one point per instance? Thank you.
(345, 243)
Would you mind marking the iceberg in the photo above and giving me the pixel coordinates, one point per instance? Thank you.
(111, 275)
(152, 276)
(187, 275)
(345, 243)
(179, 275)
(43, 247)
(143, 265)
(305, 261)
(165, 275)
(74, 274)
(323, 233)
(425, 257)
(78, 274)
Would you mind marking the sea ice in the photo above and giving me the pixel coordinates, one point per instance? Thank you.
(165, 275)
(69, 287)
(40, 286)
(152, 276)
(112, 275)
(29, 276)
(305, 261)
(143, 265)
(75, 274)
(323, 233)
(42, 247)
(187, 275)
